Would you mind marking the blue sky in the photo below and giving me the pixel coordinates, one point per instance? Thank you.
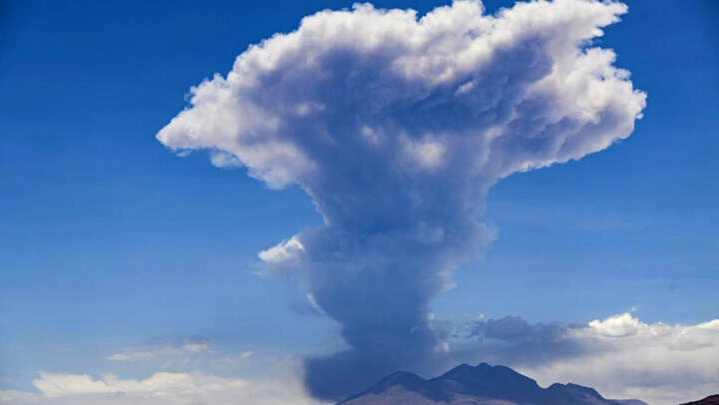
(110, 240)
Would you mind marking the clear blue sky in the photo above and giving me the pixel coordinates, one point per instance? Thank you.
(108, 239)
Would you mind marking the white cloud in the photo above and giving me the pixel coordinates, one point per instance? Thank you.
(237, 359)
(188, 348)
(161, 388)
(282, 252)
(13, 397)
(620, 356)
(659, 363)
(424, 154)
(616, 326)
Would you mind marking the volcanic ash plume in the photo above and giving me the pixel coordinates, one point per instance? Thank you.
(396, 127)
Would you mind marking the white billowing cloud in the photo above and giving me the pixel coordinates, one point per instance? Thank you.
(282, 252)
(346, 74)
(162, 388)
(397, 126)
(656, 362)
(620, 356)
(616, 326)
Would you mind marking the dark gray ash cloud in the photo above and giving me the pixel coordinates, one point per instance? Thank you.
(513, 340)
(397, 126)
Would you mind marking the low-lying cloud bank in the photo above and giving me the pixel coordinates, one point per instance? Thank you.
(397, 126)
(162, 388)
(620, 356)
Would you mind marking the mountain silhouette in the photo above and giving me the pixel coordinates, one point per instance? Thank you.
(477, 385)
(710, 400)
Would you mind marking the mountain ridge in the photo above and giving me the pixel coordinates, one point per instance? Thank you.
(710, 400)
(482, 384)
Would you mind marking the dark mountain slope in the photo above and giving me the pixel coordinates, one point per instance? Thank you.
(710, 400)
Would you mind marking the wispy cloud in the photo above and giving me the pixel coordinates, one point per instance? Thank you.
(162, 350)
